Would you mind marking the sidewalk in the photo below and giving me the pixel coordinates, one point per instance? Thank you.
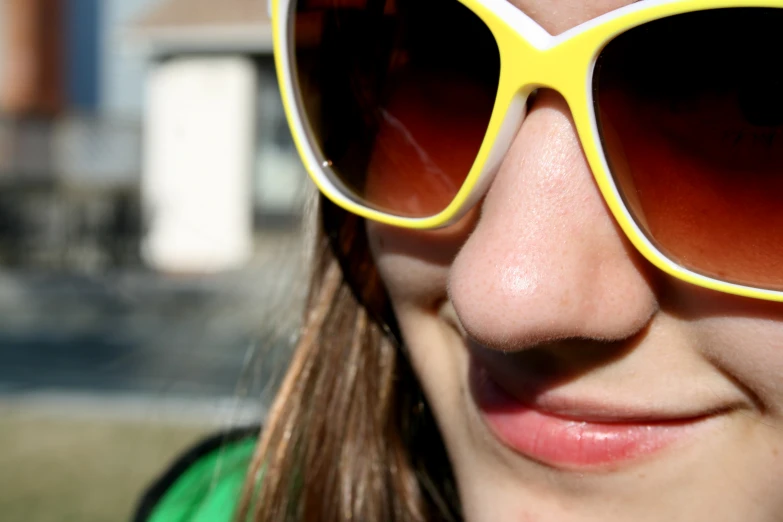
(138, 332)
(106, 378)
(217, 413)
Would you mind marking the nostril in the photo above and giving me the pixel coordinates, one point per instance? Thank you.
(553, 364)
(531, 100)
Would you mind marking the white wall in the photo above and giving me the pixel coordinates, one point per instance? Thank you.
(199, 146)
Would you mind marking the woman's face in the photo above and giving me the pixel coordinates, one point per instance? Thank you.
(572, 381)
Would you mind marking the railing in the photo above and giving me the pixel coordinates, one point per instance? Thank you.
(69, 192)
(80, 150)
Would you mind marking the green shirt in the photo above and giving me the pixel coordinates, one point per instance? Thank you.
(205, 484)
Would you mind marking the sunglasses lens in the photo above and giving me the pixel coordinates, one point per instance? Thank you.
(397, 95)
(690, 112)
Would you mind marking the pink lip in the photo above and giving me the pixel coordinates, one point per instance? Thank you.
(570, 442)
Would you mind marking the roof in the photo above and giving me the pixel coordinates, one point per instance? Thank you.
(205, 13)
(205, 25)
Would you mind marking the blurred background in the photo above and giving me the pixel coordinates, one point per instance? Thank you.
(151, 266)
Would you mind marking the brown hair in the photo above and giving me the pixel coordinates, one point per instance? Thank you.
(349, 436)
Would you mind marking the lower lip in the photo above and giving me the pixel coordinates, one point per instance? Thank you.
(568, 443)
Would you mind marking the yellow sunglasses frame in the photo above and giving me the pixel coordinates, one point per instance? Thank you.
(563, 63)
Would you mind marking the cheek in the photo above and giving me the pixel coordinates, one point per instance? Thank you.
(742, 337)
(414, 265)
(751, 349)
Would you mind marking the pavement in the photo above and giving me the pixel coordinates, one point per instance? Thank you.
(137, 333)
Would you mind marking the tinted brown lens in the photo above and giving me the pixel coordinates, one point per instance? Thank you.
(397, 94)
(690, 111)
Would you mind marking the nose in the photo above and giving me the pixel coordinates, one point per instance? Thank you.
(546, 261)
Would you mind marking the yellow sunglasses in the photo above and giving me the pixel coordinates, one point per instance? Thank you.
(402, 111)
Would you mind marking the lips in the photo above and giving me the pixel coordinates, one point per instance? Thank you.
(569, 434)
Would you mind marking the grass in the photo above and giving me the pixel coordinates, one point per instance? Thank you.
(59, 469)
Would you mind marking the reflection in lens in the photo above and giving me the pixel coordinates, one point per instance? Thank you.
(397, 94)
(692, 129)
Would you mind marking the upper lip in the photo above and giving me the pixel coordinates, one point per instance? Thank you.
(602, 405)
(689, 401)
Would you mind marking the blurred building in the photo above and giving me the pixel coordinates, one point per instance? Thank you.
(216, 142)
(140, 122)
(67, 167)
(69, 55)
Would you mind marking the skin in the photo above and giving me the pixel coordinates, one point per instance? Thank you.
(539, 276)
